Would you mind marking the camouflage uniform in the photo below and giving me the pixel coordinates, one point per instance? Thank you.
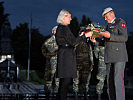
(84, 62)
(51, 62)
(92, 63)
(99, 54)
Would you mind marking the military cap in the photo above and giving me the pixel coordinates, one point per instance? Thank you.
(106, 10)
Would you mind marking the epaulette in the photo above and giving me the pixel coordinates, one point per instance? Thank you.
(122, 22)
(120, 19)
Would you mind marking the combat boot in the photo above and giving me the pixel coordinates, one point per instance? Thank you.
(86, 96)
(99, 96)
(55, 90)
(75, 96)
(47, 93)
(47, 96)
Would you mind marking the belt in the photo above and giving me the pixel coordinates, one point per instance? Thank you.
(65, 46)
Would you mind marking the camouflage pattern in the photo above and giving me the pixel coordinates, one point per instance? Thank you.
(49, 50)
(99, 54)
(84, 62)
(91, 67)
(76, 83)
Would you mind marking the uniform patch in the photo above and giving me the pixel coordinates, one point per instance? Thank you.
(123, 25)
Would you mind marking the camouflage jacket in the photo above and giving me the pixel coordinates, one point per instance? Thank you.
(84, 55)
(49, 47)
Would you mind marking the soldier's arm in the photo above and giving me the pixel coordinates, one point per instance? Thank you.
(122, 35)
(48, 54)
(52, 53)
(44, 51)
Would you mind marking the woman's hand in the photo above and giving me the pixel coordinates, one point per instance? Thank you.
(89, 34)
(81, 34)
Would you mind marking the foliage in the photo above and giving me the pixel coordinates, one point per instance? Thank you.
(20, 42)
(85, 21)
(130, 50)
(3, 16)
(74, 26)
(34, 77)
(22, 75)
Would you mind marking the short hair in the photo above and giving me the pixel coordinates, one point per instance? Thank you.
(61, 15)
(54, 28)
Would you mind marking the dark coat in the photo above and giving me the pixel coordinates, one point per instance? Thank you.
(66, 56)
(115, 47)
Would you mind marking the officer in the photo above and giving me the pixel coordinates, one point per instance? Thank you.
(115, 55)
(50, 68)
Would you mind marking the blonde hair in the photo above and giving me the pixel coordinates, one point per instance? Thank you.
(61, 15)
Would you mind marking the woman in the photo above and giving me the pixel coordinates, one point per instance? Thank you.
(66, 57)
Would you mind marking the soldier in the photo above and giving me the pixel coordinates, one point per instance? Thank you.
(115, 54)
(51, 62)
(101, 75)
(84, 65)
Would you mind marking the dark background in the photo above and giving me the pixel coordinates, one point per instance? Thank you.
(44, 12)
(44, 15)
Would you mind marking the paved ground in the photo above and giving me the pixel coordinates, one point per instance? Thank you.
(92, 96)
(81, 98)
(40, 95)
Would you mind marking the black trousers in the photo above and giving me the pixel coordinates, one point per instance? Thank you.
(63, 88)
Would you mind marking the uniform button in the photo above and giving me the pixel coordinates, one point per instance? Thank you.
(117, 49)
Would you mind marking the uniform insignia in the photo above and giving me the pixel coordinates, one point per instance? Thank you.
(112, 26)
(123, 25)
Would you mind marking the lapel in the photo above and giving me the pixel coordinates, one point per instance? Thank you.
(109, 25)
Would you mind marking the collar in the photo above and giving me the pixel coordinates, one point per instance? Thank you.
(113, 20)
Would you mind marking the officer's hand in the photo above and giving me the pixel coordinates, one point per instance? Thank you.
(93, 39)
(106, 34)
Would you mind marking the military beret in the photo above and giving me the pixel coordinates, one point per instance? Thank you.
(106, 10)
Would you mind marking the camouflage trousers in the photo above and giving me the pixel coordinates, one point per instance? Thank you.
(84, 79)
(51, 82)
(101, 75)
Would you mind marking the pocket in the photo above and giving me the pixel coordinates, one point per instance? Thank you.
(115, 48)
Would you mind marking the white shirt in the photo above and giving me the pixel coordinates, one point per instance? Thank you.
(113, 20)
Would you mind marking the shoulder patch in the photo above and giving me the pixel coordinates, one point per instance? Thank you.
(123, 25)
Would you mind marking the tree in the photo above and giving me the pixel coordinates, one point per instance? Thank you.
(20, 44)
(20, 41)
(130, 50)
(85, 21)
(74, 26)
(3, 17)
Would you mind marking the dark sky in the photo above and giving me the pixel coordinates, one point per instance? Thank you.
(44, 12)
